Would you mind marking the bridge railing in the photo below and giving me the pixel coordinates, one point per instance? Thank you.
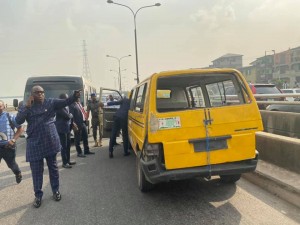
(272, 99)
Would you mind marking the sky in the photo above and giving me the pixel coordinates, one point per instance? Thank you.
(45, 37)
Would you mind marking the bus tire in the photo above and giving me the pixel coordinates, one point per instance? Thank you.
(230, 178)
(143, 184)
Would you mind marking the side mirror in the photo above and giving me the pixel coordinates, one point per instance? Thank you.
(15, 103)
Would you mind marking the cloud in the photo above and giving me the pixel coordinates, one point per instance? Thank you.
(218, 16)
(274, 10)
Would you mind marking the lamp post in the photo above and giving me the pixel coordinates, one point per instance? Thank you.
(135, 36)
(117, 79)
(119, 61)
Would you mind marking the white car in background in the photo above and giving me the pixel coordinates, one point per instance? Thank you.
(291, 91)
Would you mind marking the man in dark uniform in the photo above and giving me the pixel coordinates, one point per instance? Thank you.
(93, 107)
(43, 140)
(120, 122)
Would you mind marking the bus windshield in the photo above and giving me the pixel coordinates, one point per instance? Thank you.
(53, 91)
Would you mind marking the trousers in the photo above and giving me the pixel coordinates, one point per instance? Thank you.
(81, 134)
(65, 142)
(9, 156)
(119, 123)
(96, 128)
(37, 170)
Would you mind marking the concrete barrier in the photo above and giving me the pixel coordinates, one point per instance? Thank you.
(279, 150)
(281, 123)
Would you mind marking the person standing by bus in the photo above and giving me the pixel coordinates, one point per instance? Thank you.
(93, 107)
(80, 117)
(8, 140)
(120, 122)
(43, 140)
(63, 127)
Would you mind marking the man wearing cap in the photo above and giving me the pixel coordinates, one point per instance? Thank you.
(93, 107)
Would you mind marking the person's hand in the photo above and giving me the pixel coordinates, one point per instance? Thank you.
(29, 102)
(70, 116)
(11, 143)
(77, 93)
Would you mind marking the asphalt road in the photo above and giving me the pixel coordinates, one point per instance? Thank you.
(99, 190)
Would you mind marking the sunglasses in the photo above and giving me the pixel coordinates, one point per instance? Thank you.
(38, 92)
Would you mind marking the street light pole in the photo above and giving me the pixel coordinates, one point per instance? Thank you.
(117, 79)
(135, 33)
(119, 61)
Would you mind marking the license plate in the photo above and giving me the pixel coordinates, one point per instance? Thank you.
(212, 144)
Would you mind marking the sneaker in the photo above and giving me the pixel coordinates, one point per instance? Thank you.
(19, 178)
(57, 196)
(37, 202)
(81, 155)
(72, 163)
(67, 166)
(111, 155)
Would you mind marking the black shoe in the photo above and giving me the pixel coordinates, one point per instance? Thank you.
(37, 202)
(72, 163)
(57, 196)
(67, 166)
(111, 155)
(127, 154)
(89, 153)
(19, 178)
(81, 155)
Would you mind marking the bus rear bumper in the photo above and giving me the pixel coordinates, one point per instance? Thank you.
(156, 174)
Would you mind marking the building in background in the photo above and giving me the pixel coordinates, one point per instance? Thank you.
(228, 61)
(287, 67)
(280, 68)
(249, 73)
(264, 67)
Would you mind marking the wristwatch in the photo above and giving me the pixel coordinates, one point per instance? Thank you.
(13, 140)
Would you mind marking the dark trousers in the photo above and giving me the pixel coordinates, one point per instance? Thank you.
(119, 124)
(81, 134)
(9, 156)
(37, 170)
(65, 142)
(96, 128)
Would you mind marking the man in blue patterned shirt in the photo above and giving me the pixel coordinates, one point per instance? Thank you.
(42, 138)
(8, 138)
